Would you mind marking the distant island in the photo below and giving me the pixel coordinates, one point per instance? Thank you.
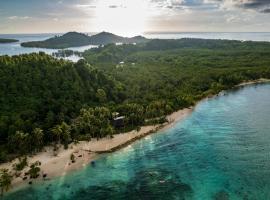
(3, 41)
(75, 39)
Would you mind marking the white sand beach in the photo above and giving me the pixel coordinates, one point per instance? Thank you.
(55, 164)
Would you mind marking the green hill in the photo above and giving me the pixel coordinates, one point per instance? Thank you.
(74, 39)
(38, 90)
(71, 39)
(104, 38)
(2, 40)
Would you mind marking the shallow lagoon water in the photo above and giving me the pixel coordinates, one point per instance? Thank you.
(220, 151)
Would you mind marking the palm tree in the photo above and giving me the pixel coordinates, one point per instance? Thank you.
(57, 131)
(18, 167)
(5, 181)
(56, 134)
(110, 131)
(20, 140)
(34, 169)
(37, 137)
(65, 134)
(62, 131)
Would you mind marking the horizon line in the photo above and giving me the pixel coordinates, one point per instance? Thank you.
(146, 32)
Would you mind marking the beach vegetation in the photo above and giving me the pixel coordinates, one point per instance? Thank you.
(22, 163)
(72, 158)
(34, 169)
(5, 181)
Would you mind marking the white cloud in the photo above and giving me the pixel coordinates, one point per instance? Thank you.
(85, 6)
(19, 17)
(258, 5)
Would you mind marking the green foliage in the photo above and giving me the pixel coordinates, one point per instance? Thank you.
(5, 180)
(94, 122)
(101, 95)
(157, 109)
(34, 169)
(72, 158)
(37, 139)
(74, 39)
(21, 164)
(180, 72)
(20, 142)
(62, 133)
(3, 156)
(38, 92)
(71, 39)
(50, 100)
(63, 53)
(134, 114)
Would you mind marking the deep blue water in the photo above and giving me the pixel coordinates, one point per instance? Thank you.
(220, 151)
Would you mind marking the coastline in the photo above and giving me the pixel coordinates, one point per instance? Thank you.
(59, 165)
(261, 80)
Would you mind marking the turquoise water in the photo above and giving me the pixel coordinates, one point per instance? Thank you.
(220, 151)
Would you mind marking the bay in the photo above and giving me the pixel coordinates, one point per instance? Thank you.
(220, 151)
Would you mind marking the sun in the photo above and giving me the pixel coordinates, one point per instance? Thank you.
(123, 17)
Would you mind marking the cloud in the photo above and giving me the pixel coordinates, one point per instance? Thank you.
(238, 18)
(156, 4)
(19, 17)
(113, 6)
(85, 6)
(168, 3)
(176, 5)
(258, 5)
(267, 10)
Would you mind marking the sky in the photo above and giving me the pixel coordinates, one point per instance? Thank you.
(131, 17)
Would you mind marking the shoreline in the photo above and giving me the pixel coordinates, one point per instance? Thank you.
(261, 80)
(59, 165)
(86, 151)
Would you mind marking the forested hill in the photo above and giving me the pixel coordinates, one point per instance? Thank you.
(3, 40)
(113, 53)
(56, 101)
(184, 68)
(39, 91)
(74, 39)
(104, 38)
(70, 39)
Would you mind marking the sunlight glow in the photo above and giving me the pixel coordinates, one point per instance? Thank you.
(123, 17)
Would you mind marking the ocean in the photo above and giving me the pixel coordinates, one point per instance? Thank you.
(16, 49)
(220, 151)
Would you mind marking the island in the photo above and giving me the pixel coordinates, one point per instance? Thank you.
(75, 39)
(61, 111)
(3, 40)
